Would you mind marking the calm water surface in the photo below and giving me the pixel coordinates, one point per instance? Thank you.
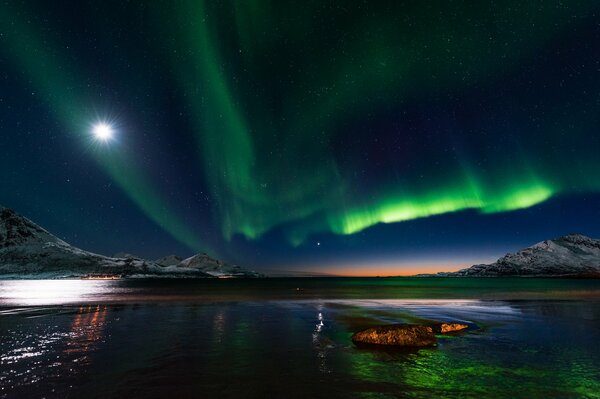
(290, 338)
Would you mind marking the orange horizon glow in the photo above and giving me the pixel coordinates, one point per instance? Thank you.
(387, 269)
(387, 272)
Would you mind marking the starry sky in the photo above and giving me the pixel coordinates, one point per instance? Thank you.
(335, 137)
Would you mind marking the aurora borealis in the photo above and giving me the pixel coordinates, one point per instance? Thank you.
(303, 135)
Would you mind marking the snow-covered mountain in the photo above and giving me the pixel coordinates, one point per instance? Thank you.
(169, 260)
(568, 255)
(29, 251)
(204, 263)
(214, 267)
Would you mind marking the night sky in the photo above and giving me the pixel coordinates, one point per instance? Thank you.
(353, 137)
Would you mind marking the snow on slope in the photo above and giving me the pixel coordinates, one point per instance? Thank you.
(570, 254)
(215, 267)
(169, 260)
(29, 251)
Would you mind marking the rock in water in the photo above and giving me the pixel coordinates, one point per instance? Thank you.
(397, 335)
(444, 328)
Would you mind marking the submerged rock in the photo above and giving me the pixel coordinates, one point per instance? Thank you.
(444, 328)
(397, 334)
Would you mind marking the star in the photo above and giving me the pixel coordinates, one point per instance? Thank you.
(103, 131)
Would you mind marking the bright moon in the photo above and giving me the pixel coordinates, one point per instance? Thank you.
(103, 132)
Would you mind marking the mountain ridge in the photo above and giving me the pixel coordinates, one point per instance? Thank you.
(29, 251)
(569, 255)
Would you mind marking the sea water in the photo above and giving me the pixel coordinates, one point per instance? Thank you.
(290, 338)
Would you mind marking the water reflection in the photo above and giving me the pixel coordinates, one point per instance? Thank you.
(87, 330)
(56, 292)
(296, 349)
(45, 344)
(321, 324)
(219, 326)
(321, 344)
(419, 291)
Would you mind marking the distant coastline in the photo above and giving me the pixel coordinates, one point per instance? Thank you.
(570, 256)
(29, 251)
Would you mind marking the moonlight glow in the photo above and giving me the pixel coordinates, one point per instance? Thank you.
(103, 132)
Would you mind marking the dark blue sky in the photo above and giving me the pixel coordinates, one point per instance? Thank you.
(323, 136)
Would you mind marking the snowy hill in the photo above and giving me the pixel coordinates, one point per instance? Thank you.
(29, 251)
(169, 260)
(215, 267)
(205, 264)
(567, 255)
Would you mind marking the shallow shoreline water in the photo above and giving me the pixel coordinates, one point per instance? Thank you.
(76, 291)
(265, 338)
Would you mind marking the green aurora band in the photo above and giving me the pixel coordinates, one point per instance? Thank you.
(268, 155)
(277, 169)
(26, 48)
